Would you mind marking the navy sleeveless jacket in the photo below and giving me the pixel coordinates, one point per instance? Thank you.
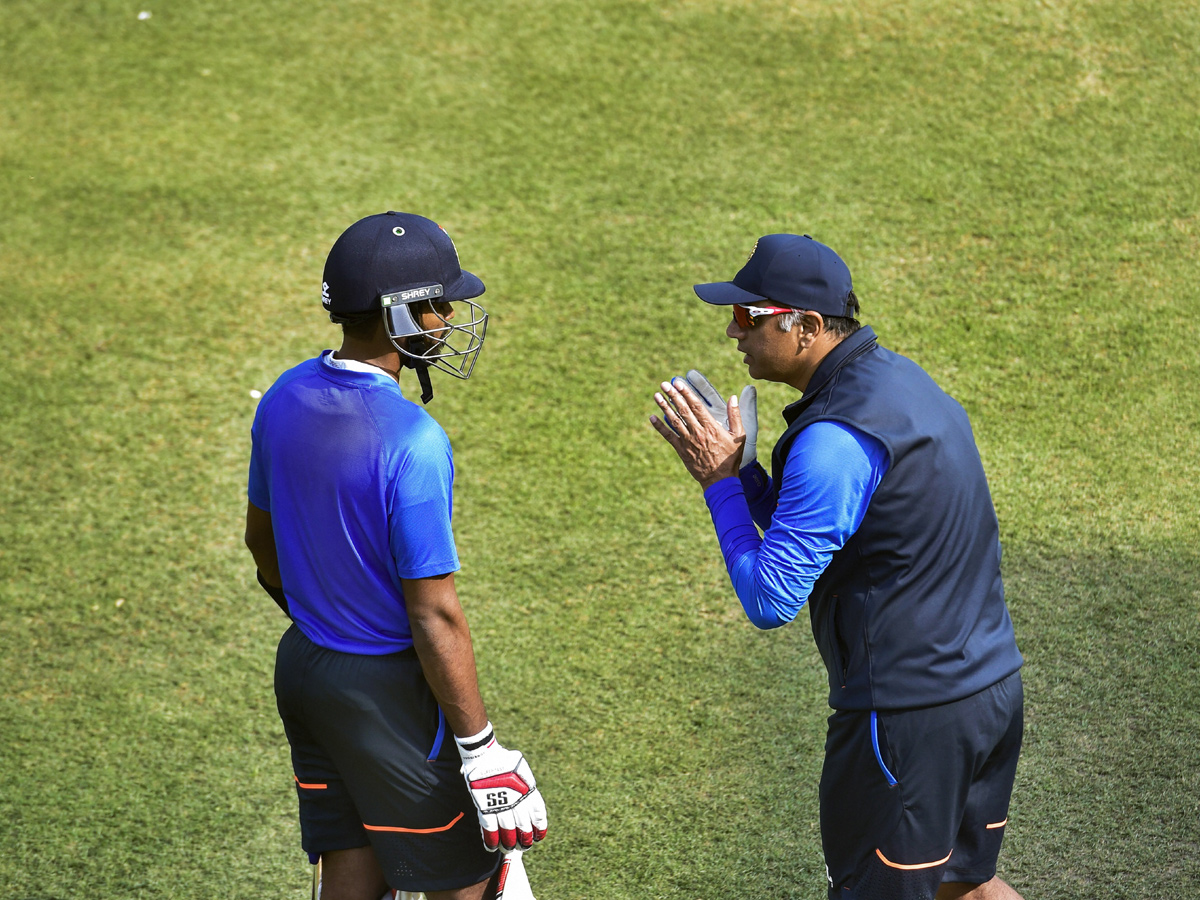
(910, 612)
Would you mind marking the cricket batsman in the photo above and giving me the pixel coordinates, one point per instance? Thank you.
(401, 780)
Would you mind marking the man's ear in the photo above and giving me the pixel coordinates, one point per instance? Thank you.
(812, 326)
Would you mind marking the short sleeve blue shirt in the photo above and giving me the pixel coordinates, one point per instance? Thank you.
(358, 482)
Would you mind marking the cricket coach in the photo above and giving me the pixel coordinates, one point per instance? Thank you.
(348, 522)
(877, 514)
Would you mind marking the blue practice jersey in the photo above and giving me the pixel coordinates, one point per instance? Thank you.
(358, 482)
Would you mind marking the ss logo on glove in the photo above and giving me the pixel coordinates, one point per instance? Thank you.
(511, 810)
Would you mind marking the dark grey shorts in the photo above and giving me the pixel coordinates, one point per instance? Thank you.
(911, 798)
(375, 764)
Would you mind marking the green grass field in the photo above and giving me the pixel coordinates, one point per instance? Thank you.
(1016, 187)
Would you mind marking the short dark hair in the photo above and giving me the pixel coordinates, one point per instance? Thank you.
(360, 325)
(842, 327)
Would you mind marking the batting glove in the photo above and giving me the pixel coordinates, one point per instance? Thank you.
(511, 810)
(747, 402)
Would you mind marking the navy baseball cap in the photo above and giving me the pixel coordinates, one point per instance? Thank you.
(787, 270)
(393, 253)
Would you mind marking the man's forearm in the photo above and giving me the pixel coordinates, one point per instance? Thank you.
(260, 541)
(740, 544)
(443, 644)
(268, 569)
(275, 592)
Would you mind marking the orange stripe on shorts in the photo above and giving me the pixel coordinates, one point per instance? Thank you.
(453, 822)
(997, 824)
(311, 787)
(913, 868)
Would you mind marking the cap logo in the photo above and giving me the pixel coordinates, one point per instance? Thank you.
(325, 298)
(398, 231)
(452, 247)
(752, 250)
(411, 296)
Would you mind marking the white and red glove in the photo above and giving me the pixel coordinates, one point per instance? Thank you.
(511, 810)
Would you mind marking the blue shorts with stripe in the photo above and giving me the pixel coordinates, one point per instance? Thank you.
(911, 798)
(376, 765)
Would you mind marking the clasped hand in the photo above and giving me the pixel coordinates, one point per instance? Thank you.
(708, 450)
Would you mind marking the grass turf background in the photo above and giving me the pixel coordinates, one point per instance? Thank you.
(1015, 187)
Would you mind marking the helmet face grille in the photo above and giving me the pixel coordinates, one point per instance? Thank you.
(449, 346)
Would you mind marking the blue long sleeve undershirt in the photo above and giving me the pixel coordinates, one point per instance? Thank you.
(828, 480)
